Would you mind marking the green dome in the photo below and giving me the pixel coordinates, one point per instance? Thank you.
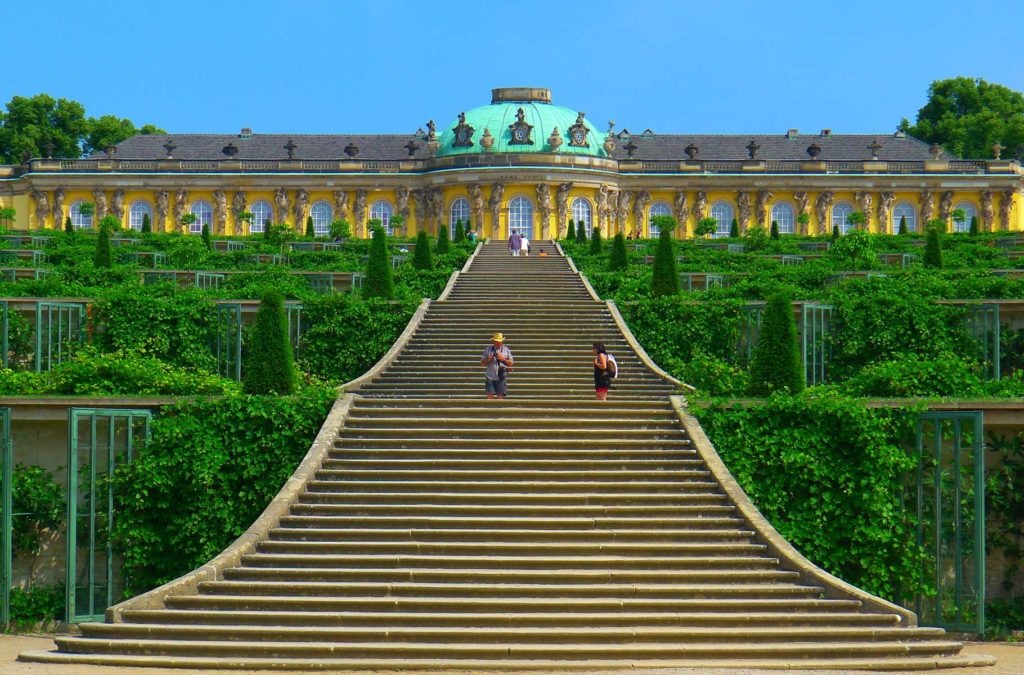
(538, 112)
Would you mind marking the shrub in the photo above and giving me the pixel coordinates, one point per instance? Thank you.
(903, 225)
(29, 606)
(705, 226)
(933, 248)
(617, 259)
(734, 229)
(340, 229)
(206, 236)
(460, 232)
(39, 501)
(379, 281)
(665, 280)
(910, 375)
(855, 249)
(102, 259)
(776, 366)
(128, 373)
(570, 231)
(269, 366)
(775, 230)
(310, 230)
(974, 226)
(581, 232)
(442, 240)
(595, 242)
(146, 225)
(68, 226)
(421, 258)
(835, 233)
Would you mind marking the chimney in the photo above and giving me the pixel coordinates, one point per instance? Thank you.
(826, 132)
(246, 132)
(793, 133)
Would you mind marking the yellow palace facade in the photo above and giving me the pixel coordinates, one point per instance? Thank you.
(519, 163)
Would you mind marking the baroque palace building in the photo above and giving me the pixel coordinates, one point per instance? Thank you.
(519, 163)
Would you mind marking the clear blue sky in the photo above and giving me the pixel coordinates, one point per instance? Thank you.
(386, 66)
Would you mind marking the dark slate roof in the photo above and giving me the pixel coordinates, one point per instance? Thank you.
(834, 147)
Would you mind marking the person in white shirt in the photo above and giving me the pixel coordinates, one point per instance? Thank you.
(524, 245)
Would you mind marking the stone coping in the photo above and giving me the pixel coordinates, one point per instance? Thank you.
(777, 544)
(246, 544)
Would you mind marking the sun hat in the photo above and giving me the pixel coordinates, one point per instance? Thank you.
(498, 337)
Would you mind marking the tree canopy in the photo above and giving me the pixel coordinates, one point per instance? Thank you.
(967, 117)
(31, 124)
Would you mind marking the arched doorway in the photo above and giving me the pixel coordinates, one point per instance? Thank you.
(520, 217)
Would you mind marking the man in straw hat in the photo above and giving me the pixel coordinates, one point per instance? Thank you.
(498, 361)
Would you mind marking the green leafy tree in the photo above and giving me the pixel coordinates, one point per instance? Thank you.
(103, 256)
(803, 219)
(570, 232)
(617, 258)
(269, 366)
(188, 219)
(775, 230)
(109, 130)
(246, 219)
(903, 225)
(854, 249)
(968, 117)
(933, 244)
(975, 231)
(87, 209)
(460, 232)
(958, 216)
(581, 232)
(776, 366)
(665, 278)
(857, 219)
(206, 236)
(734, 230)
(7, 216)
(310, 230)
(595, 242)
(110, 223)
(31, 124)
(379, 283)
(340, 229)
(705, 227)
(147, 227)
(421, 257)
(442, 246)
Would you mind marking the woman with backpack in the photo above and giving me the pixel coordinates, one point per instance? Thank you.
(604, 370)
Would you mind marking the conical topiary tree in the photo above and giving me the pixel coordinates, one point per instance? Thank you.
(595, 242)
(379, 281)
(102, 257)
(974, 226)
(581, 232)
(421, 258)
(665, 280)
(776, 366)
(310, 230)
(617, 259)
(835, 232)
(903, 225)
(69, 227)
(734, 229)
(442, 240)
(460, 232)
(269, 366)
(570, 232)
(775, 230)
(146, 225)
(206, 236)
(933, 246)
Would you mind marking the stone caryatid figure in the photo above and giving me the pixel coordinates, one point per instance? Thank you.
(605, 205)
(821, 206)
(220, 212)
(299, 209)
(99, 197)
(562, 202)
(360, 212)
(621, 211)
(58, 208)
(238, 203)
(476, 205)
(700, 205)
(987, 211)
(681, 211)
(640, 204)
(497, 194)
(865, 200)
(340, 205)
(885, 202)
(761, 207)
(435, 206)
(1005, 204)
(743, 210)
(117, 205)
(402, 205)
(419, 205)
(163, 201)
(927, 206)
(281, 201)
(802, 204)
(544, 208)
(946, 205)
(42, 201)
(180, 203)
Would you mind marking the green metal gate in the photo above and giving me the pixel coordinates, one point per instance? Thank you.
(983, 325)
(6, 520)
(295, 326)
(98, 441)
(750, 332)
(59, 327)
(950, 508)
(5, 324)
(816, 322)
(227, 340)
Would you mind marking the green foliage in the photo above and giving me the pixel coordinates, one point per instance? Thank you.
(208, 471)
(109, 130)
(835, 233)
(775, 230)
(1003, 616)
(69, 227)
(310, 230)
(909, 375)
(1004, 507)
(187, 219)
(421, 257)
(734, 229)
(87, 209)
(460, 232)
(147, 227)
(617, 258)
(757, 239)
(903, 225)
(665, 280)
(340, 229)
(207, 241)
(7, 215)
(857, 220)
(974, 231)
(277, 235)
(856, 249)
(595, 242)
(31, 123)
(379, 281)
(570, 232)
(827, 472)
(187, 253)
(933, 248)
(967, 117)
(803, 219)
(38, 501)
(35, 604)
(705, 226)
(776, 367)
(581, 232)
(443, 245)
(102, 258)
(269, 366)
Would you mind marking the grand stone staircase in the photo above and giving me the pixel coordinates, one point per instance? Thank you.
(548, 531)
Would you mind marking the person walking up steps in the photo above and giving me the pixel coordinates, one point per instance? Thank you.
(524, 246)
(605, 369)
(498, 361)
(515, 243)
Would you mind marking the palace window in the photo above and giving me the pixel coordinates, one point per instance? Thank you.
(204, 216)
(458, 211)
(79, 221)
(382, 211)
(840, 216)
(969, 212)
(321, 214)
(657, 209)
(137, 213)
(262, 216)
(520, 216)
(723, 215)
(583, 213)
(904, 210)
(782, 215)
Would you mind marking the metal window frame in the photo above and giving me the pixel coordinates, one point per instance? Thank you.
(60, 308)
(6, 519)
(816, 325)
(227, 344)
(984, 325)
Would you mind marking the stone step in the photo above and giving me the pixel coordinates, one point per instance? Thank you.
(468, 535)
(526, 441)
(515, 455)
(496, 511)
(462, 464)
(514, 548)
(484, 499)
(609, 487)
(524, 402)
(525, 432)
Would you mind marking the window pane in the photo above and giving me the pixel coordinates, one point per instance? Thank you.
(262, 215)
(321, 213)
(722, 213)
(138, 211)
(782, 215)
(657, 209)
(583, 213)
(459, 211)
(382, 211)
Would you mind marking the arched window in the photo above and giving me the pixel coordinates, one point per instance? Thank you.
(657, 209)
(382, 211)
(722, 213)
(520, 216)
(782, 215)
(458, 211)
(840, 216)
(137, 213)
(79, 221)
(204, 216)
(321, 213)
(904, 210)
(582, 212)
(262, 215)
(969, 212)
